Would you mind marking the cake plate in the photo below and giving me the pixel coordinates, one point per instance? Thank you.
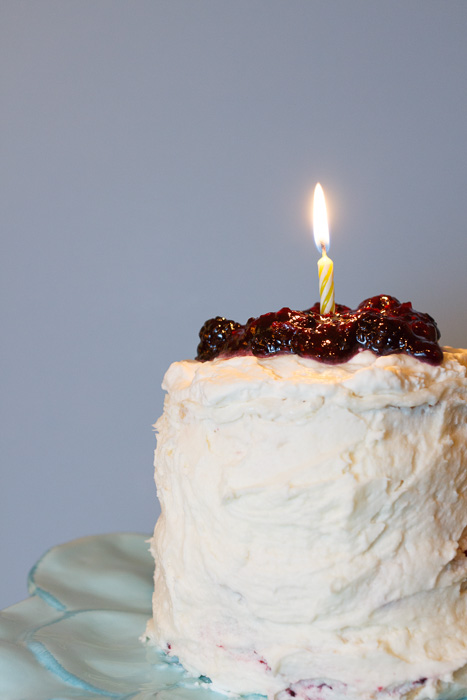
(78, 636)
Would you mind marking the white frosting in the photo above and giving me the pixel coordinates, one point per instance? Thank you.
(310, 527)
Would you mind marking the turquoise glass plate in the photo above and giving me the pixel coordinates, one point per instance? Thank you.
(78, 635)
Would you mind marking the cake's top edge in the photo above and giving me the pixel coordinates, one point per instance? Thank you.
(381, 324)
(365, 381)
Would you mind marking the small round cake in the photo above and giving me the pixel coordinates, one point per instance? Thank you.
(312, 540)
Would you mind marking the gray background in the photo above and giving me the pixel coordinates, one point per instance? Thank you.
(157, 161)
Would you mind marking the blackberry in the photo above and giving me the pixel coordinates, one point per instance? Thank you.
(381, 334)
(382, 302)
(332, 340)
(213, 336)
(271, 341)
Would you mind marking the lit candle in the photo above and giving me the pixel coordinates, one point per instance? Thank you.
(325, 264)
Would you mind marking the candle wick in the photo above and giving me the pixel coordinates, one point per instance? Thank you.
(323, 249)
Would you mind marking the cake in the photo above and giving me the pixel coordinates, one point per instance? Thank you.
(313, 486)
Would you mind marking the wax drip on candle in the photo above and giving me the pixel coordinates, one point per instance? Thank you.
(325, 264)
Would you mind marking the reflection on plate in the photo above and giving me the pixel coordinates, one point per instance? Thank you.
(77, 637)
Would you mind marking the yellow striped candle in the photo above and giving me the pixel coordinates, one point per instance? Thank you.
(325, 264)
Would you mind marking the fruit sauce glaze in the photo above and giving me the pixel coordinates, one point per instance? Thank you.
(380, 324)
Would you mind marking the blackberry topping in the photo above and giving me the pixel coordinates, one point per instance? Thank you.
(380, 324)
(213, 337)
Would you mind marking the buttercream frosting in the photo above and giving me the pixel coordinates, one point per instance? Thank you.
(312, 534)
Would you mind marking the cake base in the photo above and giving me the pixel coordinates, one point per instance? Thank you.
(313, 518)
(78, 636)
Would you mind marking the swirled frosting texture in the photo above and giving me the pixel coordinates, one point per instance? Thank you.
(311, 538)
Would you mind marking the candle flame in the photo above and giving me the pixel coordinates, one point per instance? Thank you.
(320, 220)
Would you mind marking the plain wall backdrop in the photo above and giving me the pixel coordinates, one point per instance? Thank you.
(157, 161)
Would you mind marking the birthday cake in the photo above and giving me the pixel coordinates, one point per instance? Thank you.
(312, 477)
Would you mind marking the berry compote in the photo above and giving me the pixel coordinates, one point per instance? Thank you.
(380, 324)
